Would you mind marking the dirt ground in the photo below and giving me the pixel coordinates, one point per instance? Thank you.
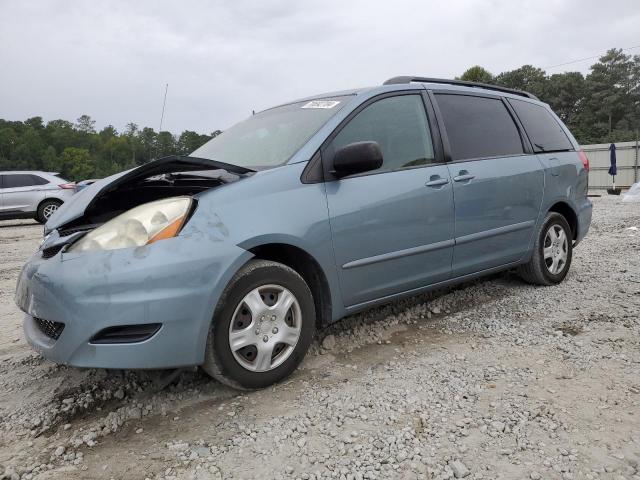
(494, 379)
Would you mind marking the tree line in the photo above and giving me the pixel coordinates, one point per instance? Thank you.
(77, 151)
(600, 107)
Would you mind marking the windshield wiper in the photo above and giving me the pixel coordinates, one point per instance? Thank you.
(544, 150)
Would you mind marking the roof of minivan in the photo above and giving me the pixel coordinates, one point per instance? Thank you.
(402, 80)
(418, 85)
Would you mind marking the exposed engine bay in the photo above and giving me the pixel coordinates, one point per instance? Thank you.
(166, 177)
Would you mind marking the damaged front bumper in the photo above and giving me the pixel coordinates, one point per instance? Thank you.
(71, 297)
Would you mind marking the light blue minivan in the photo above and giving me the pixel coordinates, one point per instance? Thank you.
(232, 257)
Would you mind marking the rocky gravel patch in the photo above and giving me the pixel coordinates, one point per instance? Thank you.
(491, 379)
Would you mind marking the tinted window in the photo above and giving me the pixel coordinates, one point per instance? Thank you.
(39, 180)
(478, 127)
(399, 125)
(543, 130)
(18, 180)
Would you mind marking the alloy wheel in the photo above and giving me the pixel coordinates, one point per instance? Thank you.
(49, 210)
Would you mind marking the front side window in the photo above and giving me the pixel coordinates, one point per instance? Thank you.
(478, 127)
(399, 125)
(270, 138)
(18, 180)
(543, 130)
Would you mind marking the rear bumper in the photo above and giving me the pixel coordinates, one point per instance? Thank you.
(176, 283)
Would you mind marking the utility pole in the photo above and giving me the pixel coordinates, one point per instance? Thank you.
(164, 102)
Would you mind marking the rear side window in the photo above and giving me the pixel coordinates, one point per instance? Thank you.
(478, 127)
(543, 130)
(39, 180)
(399, 125)
(19, 180)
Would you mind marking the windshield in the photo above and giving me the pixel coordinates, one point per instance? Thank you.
(270, 138)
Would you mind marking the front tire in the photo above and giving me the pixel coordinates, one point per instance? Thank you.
(262, 327)
(552, 253)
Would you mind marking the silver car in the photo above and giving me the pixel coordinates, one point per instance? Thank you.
(32, 194)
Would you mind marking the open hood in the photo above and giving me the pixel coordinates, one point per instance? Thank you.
(111, 196)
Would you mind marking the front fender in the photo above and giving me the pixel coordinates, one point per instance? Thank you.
(272, 207)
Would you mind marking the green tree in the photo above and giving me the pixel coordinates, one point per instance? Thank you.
(610, 111)
(8, 140)
(35, 123)
(50, 161)
(108, 133)
(565, 92)
(28, 152)
(118, 153)
(190, 141)
(165, 144)
(527, 78)
(78, 152)
(131, 129)
(77, 163)
(86, 124)
(60, 134)
(148, 143)
(477, 74)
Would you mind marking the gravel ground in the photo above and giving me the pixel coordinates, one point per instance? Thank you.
(494, 379)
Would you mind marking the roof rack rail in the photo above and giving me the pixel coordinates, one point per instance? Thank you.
(410, 79)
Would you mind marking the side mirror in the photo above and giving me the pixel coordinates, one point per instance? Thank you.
(357, 157)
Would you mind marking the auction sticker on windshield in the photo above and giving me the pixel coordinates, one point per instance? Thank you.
(321, 104)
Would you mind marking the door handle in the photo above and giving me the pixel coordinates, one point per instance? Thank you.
(463, 176)
(436, 181)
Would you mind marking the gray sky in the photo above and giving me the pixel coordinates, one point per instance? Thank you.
(111, 60)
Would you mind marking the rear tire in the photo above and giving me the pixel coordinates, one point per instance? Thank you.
(552, 252)
(262, 327)
(46, 209)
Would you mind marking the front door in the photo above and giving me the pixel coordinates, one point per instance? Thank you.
(392, 228)
(497, 184)
(20, 192)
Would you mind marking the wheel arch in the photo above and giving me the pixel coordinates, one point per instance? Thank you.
(47, 199)
(50, 199)
(307, 267)
(564, 209)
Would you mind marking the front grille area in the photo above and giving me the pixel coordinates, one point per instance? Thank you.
(65, 237)
(49, 328)
(70, 231)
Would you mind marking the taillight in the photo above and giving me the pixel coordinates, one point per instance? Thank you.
(67, 186)
(585, 159)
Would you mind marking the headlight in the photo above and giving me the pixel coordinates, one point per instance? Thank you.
(139, 226)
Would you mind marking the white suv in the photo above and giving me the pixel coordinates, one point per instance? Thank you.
(32, 194)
